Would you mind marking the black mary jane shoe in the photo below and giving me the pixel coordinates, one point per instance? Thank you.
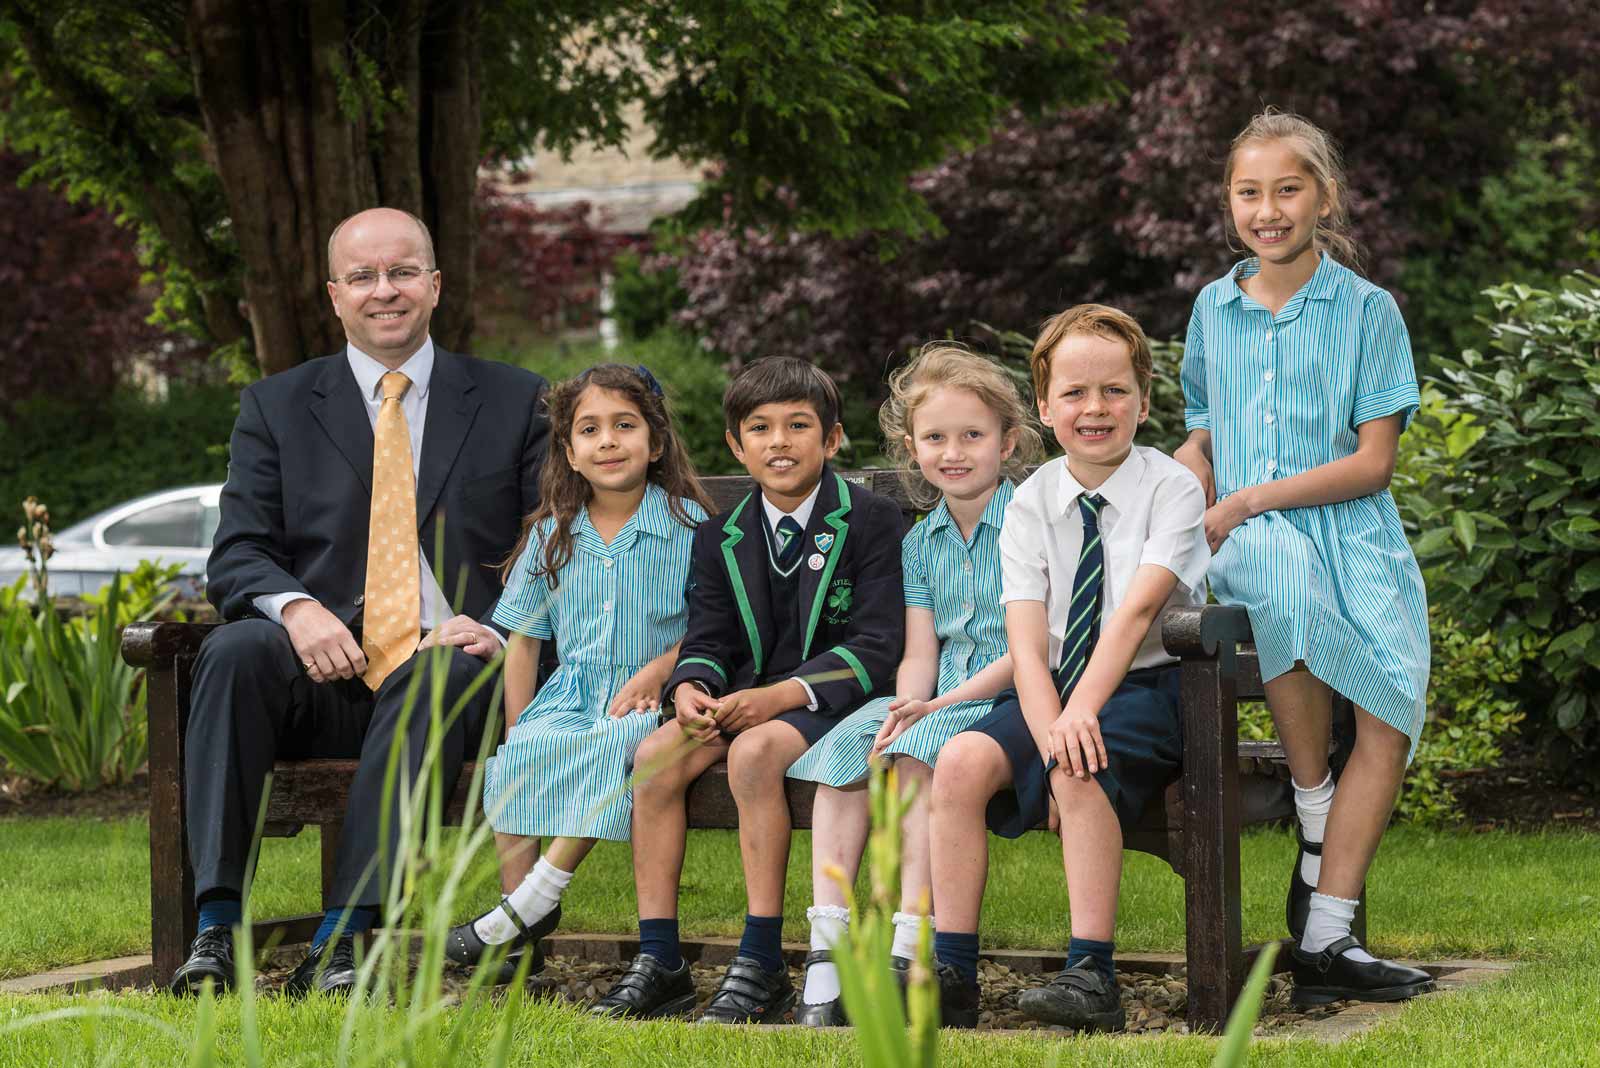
(210, 957)
(958, 999)
(827, 1014)
(648, 990)
(1320, 978)
(1082, 997)
(1297, 906)
(750, 994)
(463, 945)
(329, 969)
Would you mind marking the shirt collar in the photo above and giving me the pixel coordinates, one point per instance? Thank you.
(1322, 284)
(1121, 490)
(994, 512)
(369, 372)
(801, 515)
(653, 516)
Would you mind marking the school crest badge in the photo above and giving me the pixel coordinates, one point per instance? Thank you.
(841, 596)
(824, 542)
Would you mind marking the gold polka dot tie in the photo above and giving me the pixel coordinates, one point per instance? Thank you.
(392, 604)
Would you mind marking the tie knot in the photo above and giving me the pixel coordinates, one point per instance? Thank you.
(395, 385)
(1089, 506)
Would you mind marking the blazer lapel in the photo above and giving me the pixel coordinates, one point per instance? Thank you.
(744, 553)
(342, 414)
(827, 523)
(452, 407)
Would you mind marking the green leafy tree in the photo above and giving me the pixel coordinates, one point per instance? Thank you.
(236, 133)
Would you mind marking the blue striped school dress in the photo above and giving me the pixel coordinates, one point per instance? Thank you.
(563, 768)
(1334, 585)
(959, 582)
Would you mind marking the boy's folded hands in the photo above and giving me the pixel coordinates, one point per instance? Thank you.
(744, 709)
(695, 712)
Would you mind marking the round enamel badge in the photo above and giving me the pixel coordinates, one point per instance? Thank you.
(816, 561)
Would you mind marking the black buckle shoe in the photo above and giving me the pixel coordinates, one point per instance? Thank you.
(1082, 997)
(463, 945)
(827, 1014)
(1320, 978)
(958, 999)
(648, 990)
(750, 994)
(210, 957)
(330, 968)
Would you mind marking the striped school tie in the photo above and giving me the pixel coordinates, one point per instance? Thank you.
(789, 537)
(1083, 621)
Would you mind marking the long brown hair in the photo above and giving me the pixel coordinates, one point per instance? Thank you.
(563, 492)
(1320, 156)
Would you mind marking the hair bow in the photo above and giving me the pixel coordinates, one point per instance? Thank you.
(650, 380)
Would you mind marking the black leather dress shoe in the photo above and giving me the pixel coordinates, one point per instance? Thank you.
(329, 968)
(1330, 976)
(900, 968)
(463, 945)
(1082, 997)
(210, 957)
(750, 994)
(1297, 906)
(827, 1014)
(958, 999)
(648, 990)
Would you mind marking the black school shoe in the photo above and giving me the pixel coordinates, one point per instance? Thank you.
(827, 1014)
(1082, 997)
(1297, 906)
(1330, 976)
(648, 990)
(958, 999)
(210, 957)
(750, 994)
(329, 968)
(463, 945)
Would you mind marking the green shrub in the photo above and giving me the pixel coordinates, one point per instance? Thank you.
(1520, 556)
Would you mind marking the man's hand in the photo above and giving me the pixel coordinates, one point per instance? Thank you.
(642, 692)
(695, 707)
(903, 712)
(325, 647)
(1075, 741)
(466, 633)
(744, 709)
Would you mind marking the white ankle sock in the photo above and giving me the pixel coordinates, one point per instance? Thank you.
(1311, 806)
(533, 899)
(907, 929)
(829, 924)
(1329, 921)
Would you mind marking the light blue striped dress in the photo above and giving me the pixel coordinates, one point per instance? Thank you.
(563, 767)
(959, 582)
(1334, 585)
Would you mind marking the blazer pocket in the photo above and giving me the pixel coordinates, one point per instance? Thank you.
(495, 482)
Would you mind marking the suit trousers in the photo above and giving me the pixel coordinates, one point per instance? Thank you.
(252, 704)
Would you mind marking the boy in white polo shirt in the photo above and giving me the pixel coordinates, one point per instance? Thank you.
(1095, 545)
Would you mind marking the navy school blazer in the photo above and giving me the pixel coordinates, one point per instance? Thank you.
(853, 606)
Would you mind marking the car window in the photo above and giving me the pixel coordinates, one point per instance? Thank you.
(175, 524)
(210, 516)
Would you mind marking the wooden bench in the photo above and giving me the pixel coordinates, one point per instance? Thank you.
(1226, 784)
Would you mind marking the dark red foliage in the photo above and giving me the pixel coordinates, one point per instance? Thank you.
(1121, 202)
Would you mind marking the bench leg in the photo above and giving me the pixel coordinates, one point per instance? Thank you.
(172, 912)
(1211, 843)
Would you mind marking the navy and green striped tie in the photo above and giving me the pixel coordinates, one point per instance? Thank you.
(1083, 621)
(789, 537)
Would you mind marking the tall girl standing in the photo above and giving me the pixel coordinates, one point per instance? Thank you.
(1297, 382)
(601, 570)
(962, 432)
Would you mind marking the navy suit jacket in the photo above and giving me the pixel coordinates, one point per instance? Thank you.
(298, 499)
(853, 607)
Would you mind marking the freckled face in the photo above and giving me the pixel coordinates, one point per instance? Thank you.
(958, 443)
(1275, 202)
(610, 444)
(1093, 402)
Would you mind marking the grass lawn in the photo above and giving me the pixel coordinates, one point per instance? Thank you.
(73, 890)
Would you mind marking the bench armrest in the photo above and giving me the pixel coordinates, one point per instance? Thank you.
(1197, 632)
(152, 645)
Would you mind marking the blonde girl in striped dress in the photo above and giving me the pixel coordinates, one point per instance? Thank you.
(963, 436)
(1297, 382)
(601, 570)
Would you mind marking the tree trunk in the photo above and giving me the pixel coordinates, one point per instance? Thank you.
(299, 146)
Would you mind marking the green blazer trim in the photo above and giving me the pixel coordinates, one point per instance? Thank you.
(736, 580)
(855, 665)
(712, 664)
(834, 519)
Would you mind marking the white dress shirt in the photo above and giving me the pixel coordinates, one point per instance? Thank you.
(1154, 513)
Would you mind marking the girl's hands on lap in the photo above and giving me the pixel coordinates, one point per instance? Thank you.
(1223, 517)
(903, 712)
(1191, 455)
(641, 693)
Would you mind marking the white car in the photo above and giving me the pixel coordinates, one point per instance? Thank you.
(171, 527)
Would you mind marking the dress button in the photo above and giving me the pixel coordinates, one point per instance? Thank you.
(610, 561)
(1272, 465)
(1269, 376)
(966, 566)
(1269, 418)
(966, 606)
(608, 606)
(1269, 335)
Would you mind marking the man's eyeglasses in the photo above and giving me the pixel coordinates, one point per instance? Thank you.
(367, 277)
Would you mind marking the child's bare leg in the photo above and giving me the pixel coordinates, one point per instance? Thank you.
(1302, 709)
(839, 823)
(517, 853)
(659, 796)
(757, 762)
(1091, 851)
(568, 853)
(972, 769)
(1362, 805)
(916, 879)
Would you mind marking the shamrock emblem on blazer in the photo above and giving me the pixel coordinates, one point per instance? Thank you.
(841, 593)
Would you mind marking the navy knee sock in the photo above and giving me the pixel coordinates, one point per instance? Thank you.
(958, 949)
(357, 919)
(659, 939)
(1099, 954)
(763, 941)
(220, 908)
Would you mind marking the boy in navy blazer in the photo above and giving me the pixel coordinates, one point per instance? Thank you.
(796, 618)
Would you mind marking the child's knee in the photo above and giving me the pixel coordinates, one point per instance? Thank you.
(1074, 795)
(966, 772)
(758, 761)
(653, 765)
